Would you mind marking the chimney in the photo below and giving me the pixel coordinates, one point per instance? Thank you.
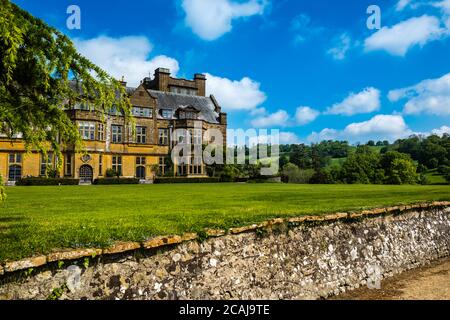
(200, 82)
(123, 82)
(162, 76)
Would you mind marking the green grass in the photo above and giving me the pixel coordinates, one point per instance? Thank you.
(435, 178)
(38, 219)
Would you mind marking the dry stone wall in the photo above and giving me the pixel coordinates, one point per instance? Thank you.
(289, 260)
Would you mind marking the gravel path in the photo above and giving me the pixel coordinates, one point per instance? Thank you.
(431, 282)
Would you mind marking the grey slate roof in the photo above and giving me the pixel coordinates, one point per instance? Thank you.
(173, 101)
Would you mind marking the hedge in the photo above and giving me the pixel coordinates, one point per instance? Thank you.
(37, 181)
(105, 181)
(186, 180)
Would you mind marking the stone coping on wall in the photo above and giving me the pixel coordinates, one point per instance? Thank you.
(161, 241)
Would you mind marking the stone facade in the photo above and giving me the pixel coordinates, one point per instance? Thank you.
(295, 260)
(101, 147)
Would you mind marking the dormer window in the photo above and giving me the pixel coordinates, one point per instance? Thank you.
(142, 112)
(166, 113)
(188, 115)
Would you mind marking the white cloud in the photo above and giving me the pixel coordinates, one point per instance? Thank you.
(233, 95)
(258, 111)
(365, 101)
(445, 8)
(380, 127)
(305, 115)
(386, 125)
(125, 56)
(342, 45)
(210, 19)
(431, 96)
(325, 134)
(398, 39)
(289, 138)
(441, 131)
(277, 119)
(303, 29)
(284, 137)
(402, 4)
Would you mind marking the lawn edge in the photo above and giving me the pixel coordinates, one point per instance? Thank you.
(9, 267)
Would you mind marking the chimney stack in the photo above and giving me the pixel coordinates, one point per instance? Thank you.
(200, 82)
(162, 76)
(123, 82)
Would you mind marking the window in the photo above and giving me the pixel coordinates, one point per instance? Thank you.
(100, 165)
(142, 112)
(181, 136)
(162, 166)
(166, 114)
(182, 170)
(164, 137)
(83, 106)
(141, 134)
(188, 115)
(196, 166)
(15, 158)
(87, 130)
(14, 172)
(115, 111)
(196, 136)
(117, 164)
(117, 133)
(68, 166)
(46, 163)
(100, 132)
(15, 168)
(140, 161)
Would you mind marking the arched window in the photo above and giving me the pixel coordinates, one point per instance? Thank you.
(86, 174)
(140, 172)
(15, 172)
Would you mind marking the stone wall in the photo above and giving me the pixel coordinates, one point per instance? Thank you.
(304, 260)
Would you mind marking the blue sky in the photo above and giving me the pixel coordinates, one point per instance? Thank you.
(311, 69)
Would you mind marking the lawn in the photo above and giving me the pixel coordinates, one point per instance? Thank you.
(435, 178)
(38, 219)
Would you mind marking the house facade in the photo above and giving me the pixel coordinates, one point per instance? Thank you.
(160, 106)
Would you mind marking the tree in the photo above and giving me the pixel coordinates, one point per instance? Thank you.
(2, 190)
(399, 168)
(363, 167)
(322, 176)
(41, 75)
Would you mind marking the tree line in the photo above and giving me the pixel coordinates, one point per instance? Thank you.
(406, 161)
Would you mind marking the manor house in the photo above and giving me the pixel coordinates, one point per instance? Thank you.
(160, 105)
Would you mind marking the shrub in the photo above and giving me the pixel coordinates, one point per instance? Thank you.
(292, 174)
(186, 180)
(40, 181)
(111, 173)
(107, 181)
(52, 173)
(322, 176)
(423, 179)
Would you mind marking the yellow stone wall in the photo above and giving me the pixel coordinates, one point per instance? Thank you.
(31, 161)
